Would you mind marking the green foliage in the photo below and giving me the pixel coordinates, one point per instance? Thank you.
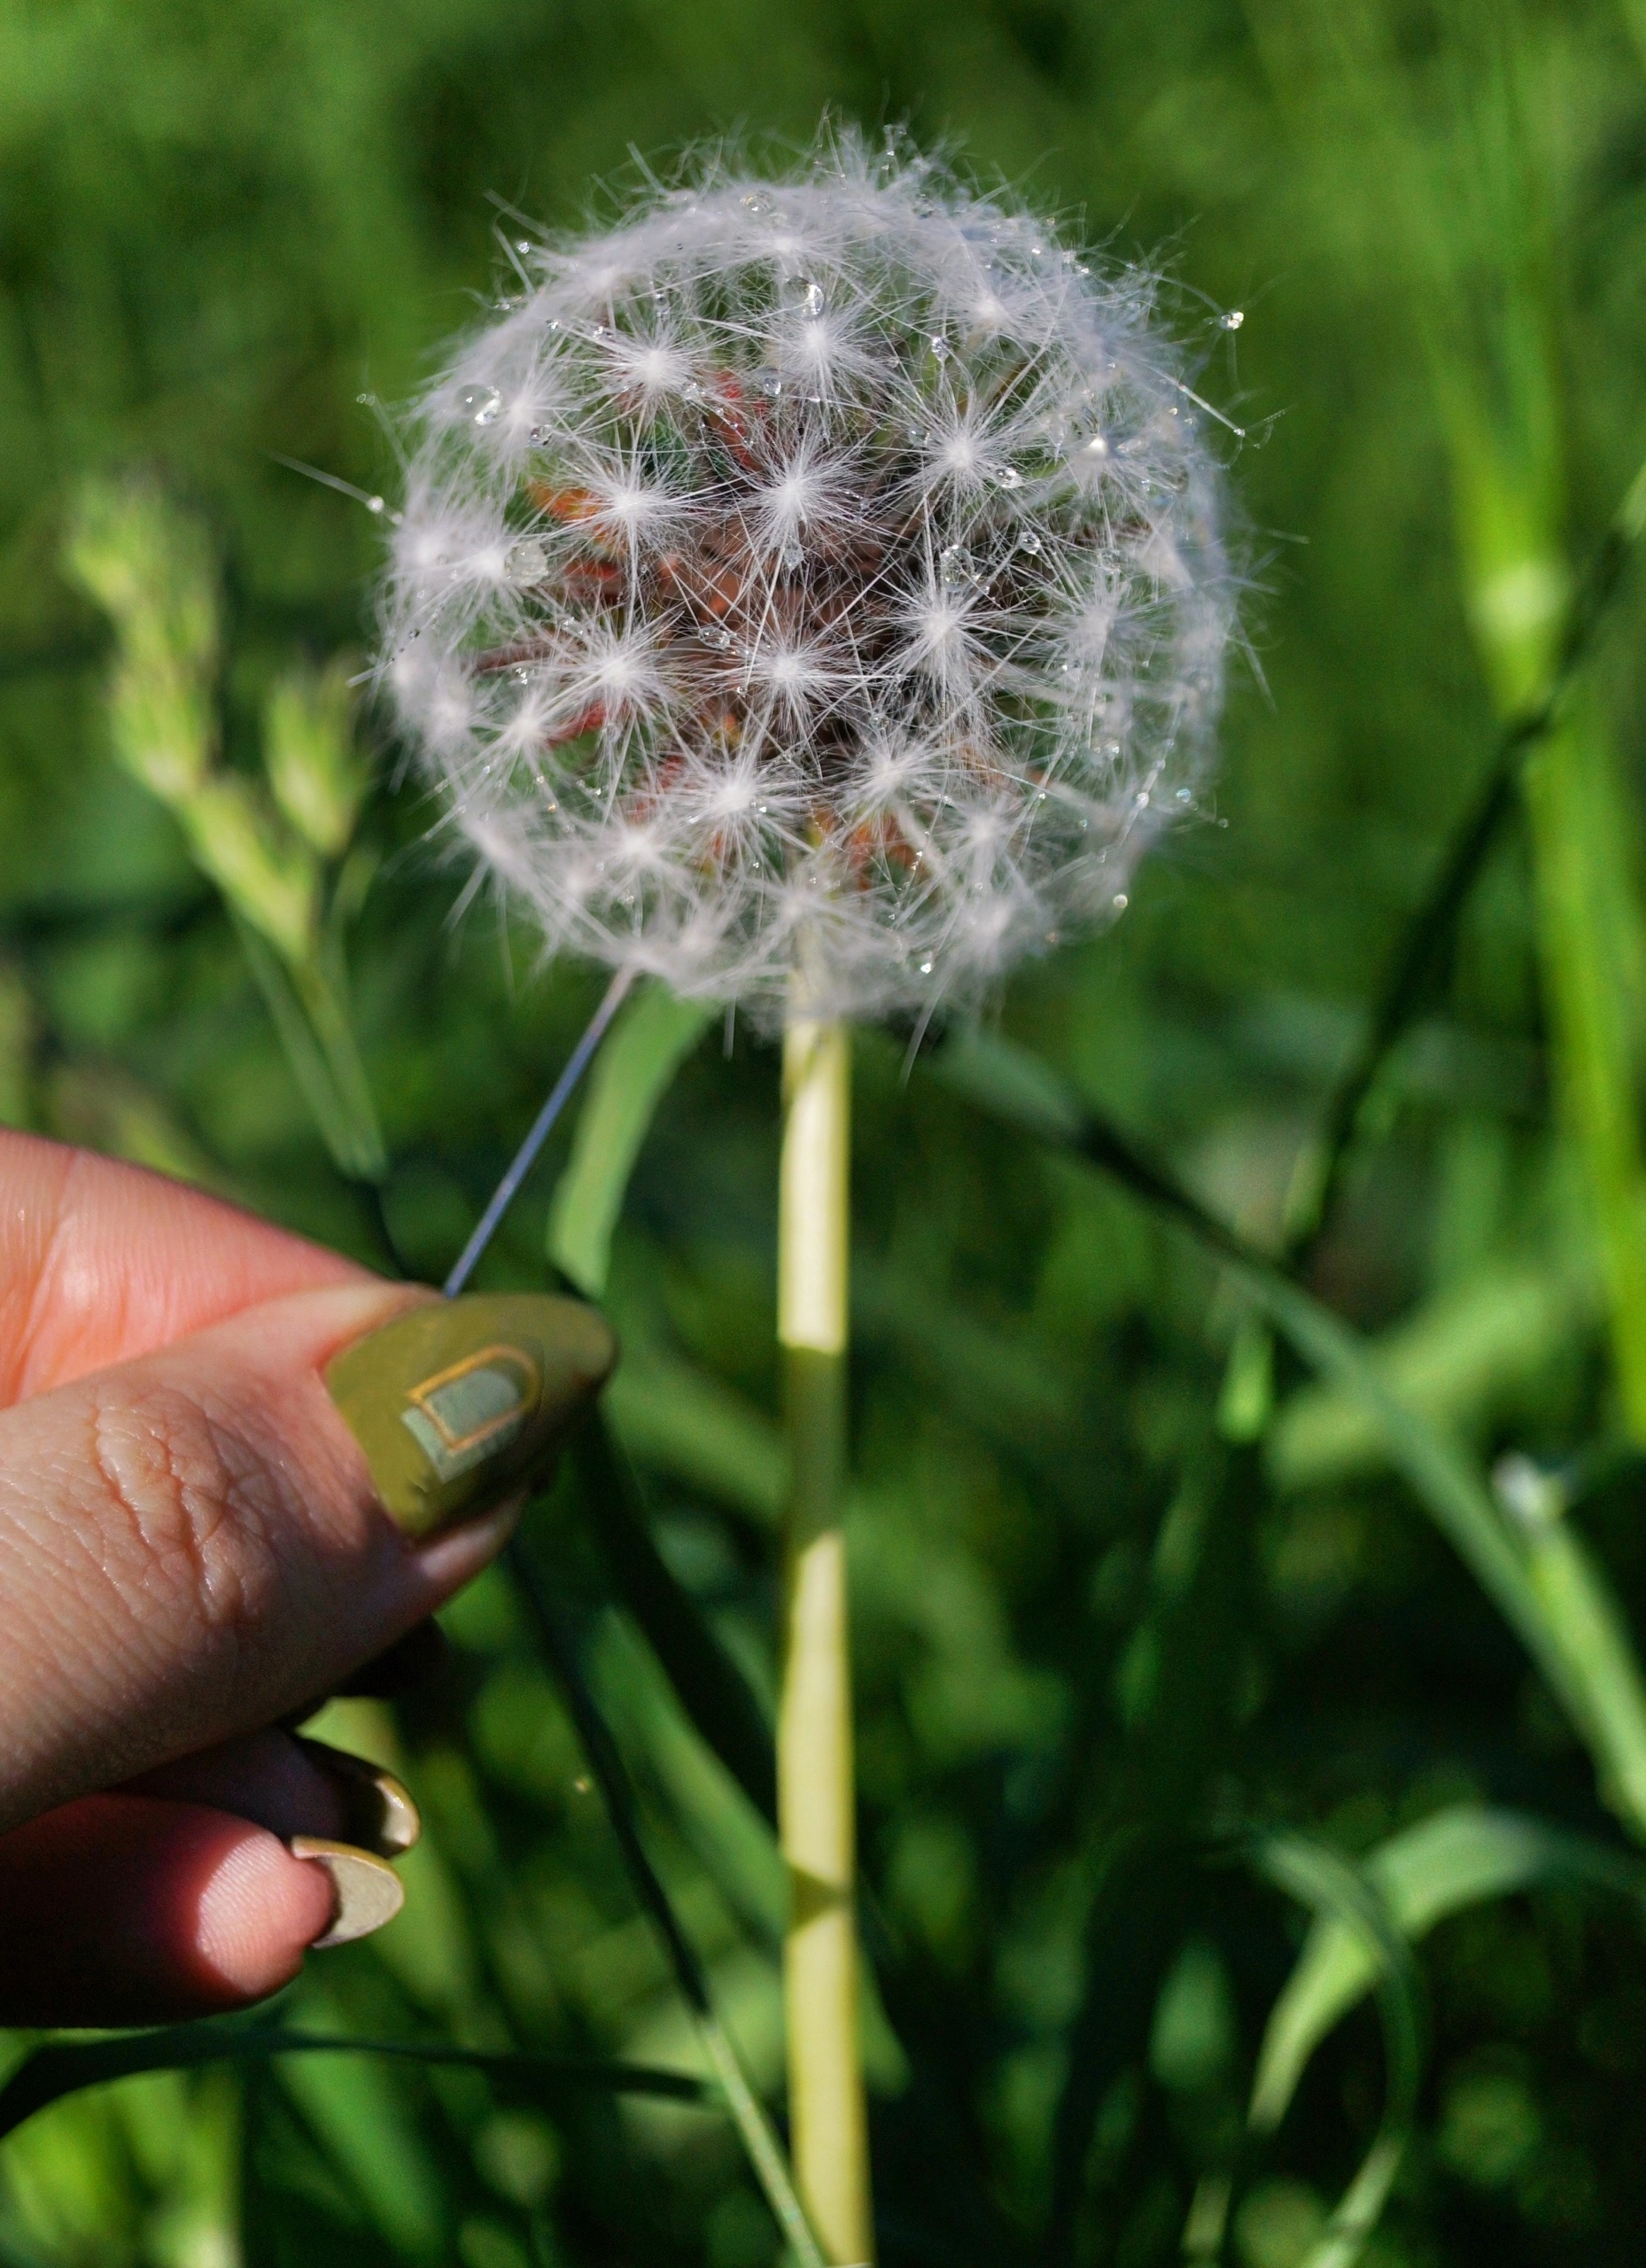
(1189, 1594)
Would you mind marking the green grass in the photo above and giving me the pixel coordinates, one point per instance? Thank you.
(1158, 1709)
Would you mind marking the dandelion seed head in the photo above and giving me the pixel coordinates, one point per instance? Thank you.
(815, 576)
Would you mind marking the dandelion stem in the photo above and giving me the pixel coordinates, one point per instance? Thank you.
(816, 1802)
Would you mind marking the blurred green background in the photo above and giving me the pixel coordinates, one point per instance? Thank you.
(1086, 1620)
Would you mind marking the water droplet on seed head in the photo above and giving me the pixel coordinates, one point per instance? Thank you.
(480, 404)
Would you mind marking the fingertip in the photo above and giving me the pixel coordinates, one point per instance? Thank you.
(132, 1909)
(259, 1911)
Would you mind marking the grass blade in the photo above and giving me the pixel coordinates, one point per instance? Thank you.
(1417, 963)
(1457, 1857)
(713, 1693)
(755, 2129)
(673, 1418)
(652, 1038)
(63, 2066)
(1602, 1692)
(648, 1044)
(1350, 1901)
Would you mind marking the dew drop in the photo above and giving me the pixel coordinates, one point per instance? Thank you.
(793, 556)
(940, 349)
(926, 968)
(768, 383)
(526, 562)
(720, 638)
(1097, 446)
(1010, 478)
(481, 404)
(1031, 542)
(1233, 319)
(955, 568)
(1120, 901)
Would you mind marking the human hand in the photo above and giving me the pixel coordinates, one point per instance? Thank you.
(193, 1548)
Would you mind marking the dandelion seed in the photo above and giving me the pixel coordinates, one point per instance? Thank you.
(822, 559)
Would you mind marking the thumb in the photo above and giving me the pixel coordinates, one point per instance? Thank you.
(194, 1543)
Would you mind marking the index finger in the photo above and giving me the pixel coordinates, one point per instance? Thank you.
(101, 1263)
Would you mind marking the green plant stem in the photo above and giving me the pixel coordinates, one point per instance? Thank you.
(1573, 804)
(322, 992)
(311, 1019)
(816, 1802)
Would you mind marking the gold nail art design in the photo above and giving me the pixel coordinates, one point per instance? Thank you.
(474, 1409)
(456, 1401)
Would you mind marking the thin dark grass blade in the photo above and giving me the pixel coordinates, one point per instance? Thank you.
(1153, 1885)
(1015, 1087)
(63, 2066)
(1012, 1084)
(711, 1691)
(1136, 1923)
(760, 2142)
(1417, 967)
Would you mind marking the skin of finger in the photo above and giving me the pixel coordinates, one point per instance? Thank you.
(123, 1909)
(102, 1262)
(265, 1778)
(189, 1547)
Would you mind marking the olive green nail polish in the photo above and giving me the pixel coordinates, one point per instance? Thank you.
(379, 1815)
(456, 1402)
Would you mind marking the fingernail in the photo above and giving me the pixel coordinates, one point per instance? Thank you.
(378, 1814)
(366, 1893)
(455, 1402)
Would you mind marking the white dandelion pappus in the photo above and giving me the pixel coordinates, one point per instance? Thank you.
(823, 570)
